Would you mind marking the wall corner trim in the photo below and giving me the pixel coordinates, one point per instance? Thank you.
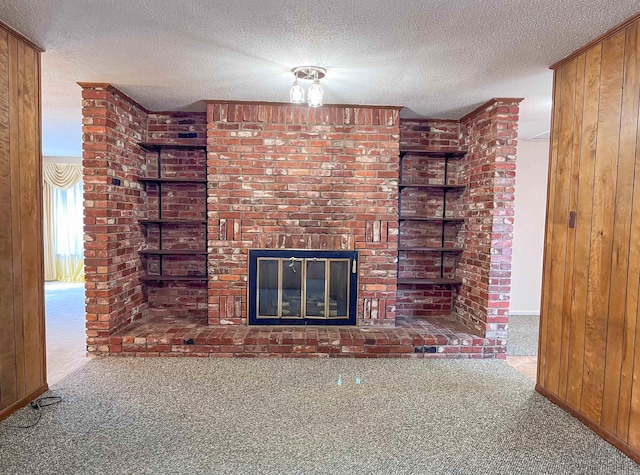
(21, 37)
(614, 440)
(111, 88)
(6, 412)
(489, 103)
(291, 104)
(619, 27)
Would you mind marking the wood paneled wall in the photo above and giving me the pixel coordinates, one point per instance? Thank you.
(22, 344)
(589, 328)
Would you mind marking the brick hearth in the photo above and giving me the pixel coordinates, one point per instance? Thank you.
(411, 338)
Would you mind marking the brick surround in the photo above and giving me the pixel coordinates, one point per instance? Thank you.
(282, 176)
(489, 134)
(113, 124)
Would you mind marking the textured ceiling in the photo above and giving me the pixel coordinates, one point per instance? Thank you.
(438, 58)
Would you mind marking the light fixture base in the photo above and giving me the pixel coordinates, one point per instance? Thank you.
(309, 72)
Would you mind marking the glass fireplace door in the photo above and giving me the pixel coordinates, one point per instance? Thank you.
(302, 287)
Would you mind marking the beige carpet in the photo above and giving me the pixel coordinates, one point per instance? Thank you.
(522, 335)
(277, 416)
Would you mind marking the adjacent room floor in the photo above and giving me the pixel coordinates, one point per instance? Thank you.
(522, 344)
(65, 320)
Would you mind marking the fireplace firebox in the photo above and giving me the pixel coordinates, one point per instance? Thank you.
(302, 287)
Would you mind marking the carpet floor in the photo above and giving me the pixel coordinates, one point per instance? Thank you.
(522, 336)
(283, 416)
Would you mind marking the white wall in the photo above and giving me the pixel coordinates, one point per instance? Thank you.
(528, 230)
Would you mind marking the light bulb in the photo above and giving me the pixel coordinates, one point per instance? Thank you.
(296, 93)
(315, 94)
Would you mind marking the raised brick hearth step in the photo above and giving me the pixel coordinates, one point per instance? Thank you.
(167, 336)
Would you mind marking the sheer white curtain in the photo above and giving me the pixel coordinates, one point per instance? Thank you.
(63, 222)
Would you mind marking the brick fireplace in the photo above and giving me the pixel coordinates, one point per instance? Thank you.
(278, 177)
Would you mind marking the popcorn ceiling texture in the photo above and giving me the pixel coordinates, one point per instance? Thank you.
(436, 59)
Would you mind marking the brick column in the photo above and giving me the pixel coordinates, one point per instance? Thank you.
(112, 162)
(490, 134)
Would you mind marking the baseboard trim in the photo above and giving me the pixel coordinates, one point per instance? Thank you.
(535, 313)
(7, 411)
(613, 439)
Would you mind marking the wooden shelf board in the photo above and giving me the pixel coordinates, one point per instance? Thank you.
(177, 278)
(431, 187)
(425, 218)
(172, 252)
(155, 147)
(431, 281)
(435, 154)
(430, 249)
(172, 180)
(172, 221)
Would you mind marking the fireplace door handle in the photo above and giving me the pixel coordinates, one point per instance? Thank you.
(292, 264)
(353, 267)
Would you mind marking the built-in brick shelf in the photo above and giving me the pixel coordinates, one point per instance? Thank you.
(168, 336)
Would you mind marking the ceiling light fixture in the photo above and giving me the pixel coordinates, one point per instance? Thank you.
(296, 93)
(310, 73)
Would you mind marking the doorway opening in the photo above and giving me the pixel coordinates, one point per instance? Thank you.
(63, 214)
